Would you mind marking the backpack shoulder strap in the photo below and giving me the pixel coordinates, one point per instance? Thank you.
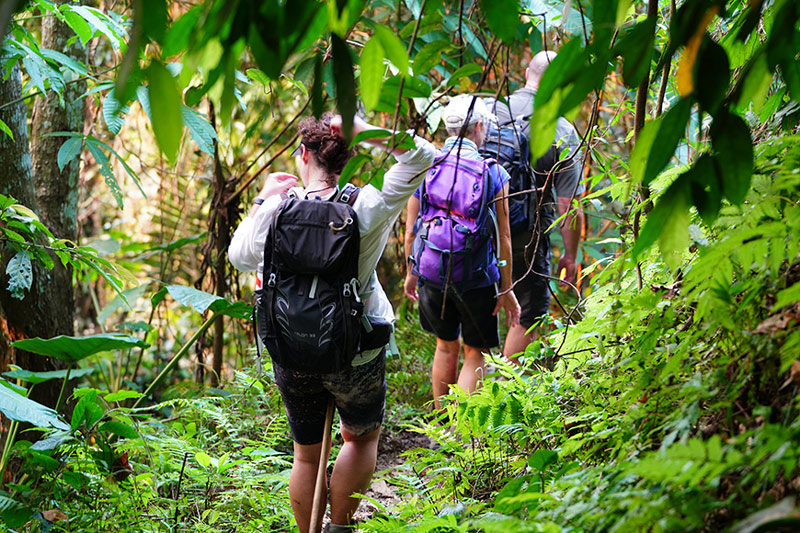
(348, 194)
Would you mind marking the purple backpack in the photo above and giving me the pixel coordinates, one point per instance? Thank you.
(453, 245)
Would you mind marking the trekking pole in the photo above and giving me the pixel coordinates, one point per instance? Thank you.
(318, 507)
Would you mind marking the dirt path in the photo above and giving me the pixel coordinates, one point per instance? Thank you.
(390, 447)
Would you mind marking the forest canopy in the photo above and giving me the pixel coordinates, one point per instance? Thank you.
(133, 136)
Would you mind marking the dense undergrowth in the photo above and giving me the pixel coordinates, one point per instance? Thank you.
(672, 407)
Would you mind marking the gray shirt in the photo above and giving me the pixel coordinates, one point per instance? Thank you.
(566, 142)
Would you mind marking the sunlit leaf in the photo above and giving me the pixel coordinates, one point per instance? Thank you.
(393, 48)
(166, 110)
(463, 72)
(17, 407)
(6, 130)
(73, 349)
(41, 377)
(371, 73)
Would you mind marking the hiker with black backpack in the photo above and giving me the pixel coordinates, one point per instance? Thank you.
(458, 246)
(321, 312)
(539, 191)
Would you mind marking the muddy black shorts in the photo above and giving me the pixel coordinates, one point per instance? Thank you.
(467, 314)
(532, 291)
(359, 395)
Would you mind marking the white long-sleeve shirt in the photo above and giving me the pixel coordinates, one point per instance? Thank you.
(377, 212)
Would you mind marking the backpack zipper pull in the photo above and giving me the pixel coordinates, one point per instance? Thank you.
(272, 280)
(313, 290)
(354, 285)
(347, 289)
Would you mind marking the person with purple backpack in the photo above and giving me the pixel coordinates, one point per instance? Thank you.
(458, 248)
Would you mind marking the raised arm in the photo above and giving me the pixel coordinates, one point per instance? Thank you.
(360, 126)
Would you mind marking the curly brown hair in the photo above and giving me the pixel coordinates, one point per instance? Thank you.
(330, 151)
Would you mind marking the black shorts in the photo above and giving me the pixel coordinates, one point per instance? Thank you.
(467, 314)
(359, 395)
(532, 292)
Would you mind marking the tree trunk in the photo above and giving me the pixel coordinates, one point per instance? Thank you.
(37, 314)
(32, 177)
(56, 190)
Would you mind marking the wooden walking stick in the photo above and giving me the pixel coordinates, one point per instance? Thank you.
(320, 500)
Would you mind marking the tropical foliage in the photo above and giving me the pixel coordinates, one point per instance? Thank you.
(673, 402)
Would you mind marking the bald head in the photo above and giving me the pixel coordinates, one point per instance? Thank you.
(536, 68)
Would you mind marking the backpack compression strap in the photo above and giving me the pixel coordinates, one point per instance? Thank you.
(348, 194)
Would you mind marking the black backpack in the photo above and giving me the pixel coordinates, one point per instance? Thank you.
(309, 310)
(509, 146)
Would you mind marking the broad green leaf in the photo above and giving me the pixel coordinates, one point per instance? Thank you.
(122, 395)
(402, 140)
(317, 106)
(371, 77)
(345, 83)
(430, 56)
(353, 166)
(65, 60)
(670, 132)
(20, 272)
(203, 459)
(199, 300)
(636, 48)
(73, 349)
(706, 187)
(22, 409)
(5, 129)
(201, 131)
(733, 146)
(100, 22)
(113, 112)
(463, 72)
(258, 76)
(393, 48)
(78, 25)
(40, 377)
(166, 110)
(543, 125)
(669, 215)
(712, 75)
(787, 296)
(756, 84)
(177, 37)
(568, 64)
(37, 70)
(541, 459)
(118, 428)
(502, 16)
(87, 410)
(69, 151)
(154, 19)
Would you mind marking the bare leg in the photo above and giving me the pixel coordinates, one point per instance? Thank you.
(473, 369)
(445, 368)
(516, 342)
(351, 473)
(302, 481)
